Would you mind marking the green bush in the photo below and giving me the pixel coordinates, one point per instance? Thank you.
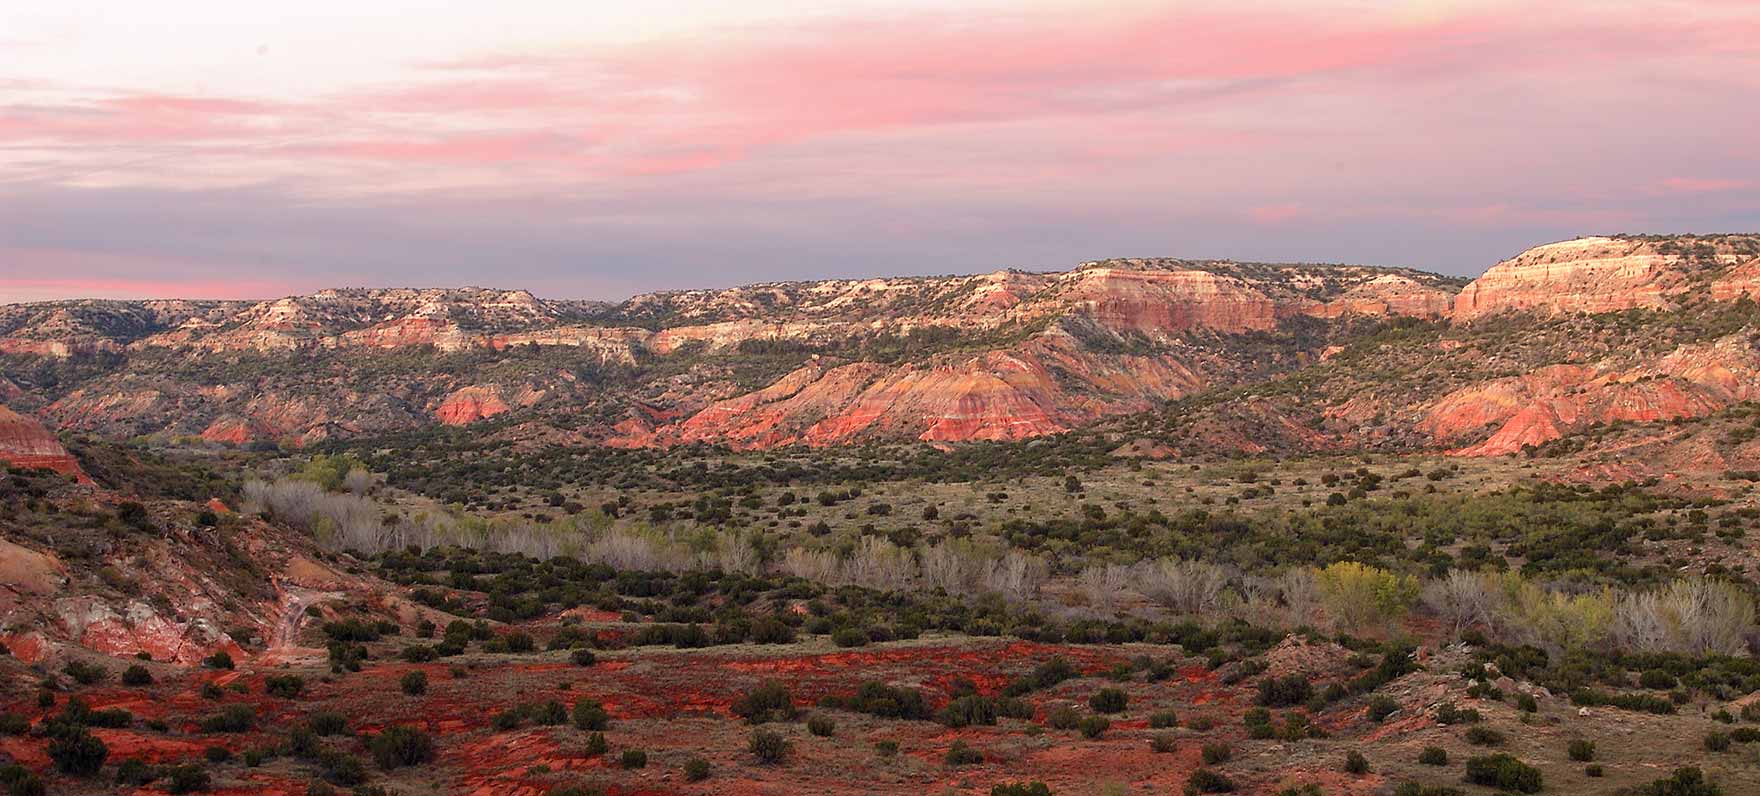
(136, 675)
(187, 778)
(1020, 789)
(1204, 780)
(1582, 750)
(1433, 756)
(1163, 719)
(768, 702)
(1717, 741)
(1094, 726)
(286, 686)
(1504, 771)
(219, 660)
(401, 746)
(589, 714)
(414, 682)
(1109, 700)
(1657, 679)
(1687, 781)
(1381, 707)
(232, 718)
(1164, 742)
(821, 726)
(75, 751)
(850, 637)
(583, 657)
(960, 754)
(769, 747)
(1484, 736)
(696, 769)
(1283, 692)
(1356, 763)
(1214, 753)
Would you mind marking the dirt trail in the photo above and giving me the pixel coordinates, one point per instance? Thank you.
(284, 638)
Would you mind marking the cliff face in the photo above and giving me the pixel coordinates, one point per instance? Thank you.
(1605, 274)
(24, 443)
(998, 356)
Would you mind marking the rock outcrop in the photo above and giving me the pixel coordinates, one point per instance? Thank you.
(24, 443)
(1608, 274)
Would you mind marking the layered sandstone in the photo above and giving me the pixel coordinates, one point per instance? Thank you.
(1608, 274)
(24, 443)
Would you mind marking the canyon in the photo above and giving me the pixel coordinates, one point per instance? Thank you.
(1007, 355)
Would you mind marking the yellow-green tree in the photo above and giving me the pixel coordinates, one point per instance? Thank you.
(1357, 594)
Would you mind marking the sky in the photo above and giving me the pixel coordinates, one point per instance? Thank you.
(184, 148)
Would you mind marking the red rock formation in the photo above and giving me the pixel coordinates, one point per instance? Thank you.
(1391, 294)
(25, 443)
(1608, 274)
(468, 405)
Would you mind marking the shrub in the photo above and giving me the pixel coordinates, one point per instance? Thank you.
(1484, 736)
(75, 751)
(286, 686)
(1163, 742)
(1592, 770)
(1381, 707)
(696, 769)
(1109, 700)
(768, 702)
(186, 779)
(1283, 692)
(232, 718)
(327, 722)
(217, 754)
(1020, 789)
(1356, 763)
(137, 675)
(595, 745)
(960, 754)
(769, 747)
(1433, 756)
(1657, 679)
(1206, 781)
(1527, 703)
(850, 637)
(633, 759)
(14, 724)
(1717, 741)
(1163, 719)
(584, 657)
(1094, 726)
(1447, 713)
(219, 660)
(1687, 781)
(1419, 789)
(589, 714)
(1063, 718)
(135, 772)
(1582, 750)
(401, 746)
(414, 683)
(1503, 771)
(886, 748)
(821, 726)
(1214, 753)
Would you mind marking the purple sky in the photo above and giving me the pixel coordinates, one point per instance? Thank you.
(192, 148)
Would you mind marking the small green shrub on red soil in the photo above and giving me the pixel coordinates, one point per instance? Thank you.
(850, 637)
(1687, 781)
(1063, 717)
(1381, 707)
(327, 722)
(136, 675)
(769, 747)
(768, 702)
(1109, 700)
(595, 745)
(633, 759)
(696, 769)
(821, 726)
(1204, 780)
(135, 772)
(1356, 763)
(1504, 771)
(1163, 719)
(1484, 736)
(77, 752)
(219, 660)
(187, 778)
(232, 718)
(401, 746)
(286, 686)
(1020, 789)
(582, 657)
(1286, 691)
(589, 714)
(962, 754)
(1214, 753)
(880, 699)
(1420, 789)
(1164, 743)
(414, 683)
(1433, 756)
(1717, 741)
(1582, 750)
(1094, 726)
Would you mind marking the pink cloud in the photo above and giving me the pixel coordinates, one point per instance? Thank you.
(1702, 185)
(36, 274)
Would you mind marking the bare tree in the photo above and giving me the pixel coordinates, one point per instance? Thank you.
(1187, 587)
(1104, 585)
(1462, 599)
